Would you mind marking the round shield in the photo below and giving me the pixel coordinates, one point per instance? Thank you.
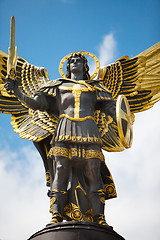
(124, 121)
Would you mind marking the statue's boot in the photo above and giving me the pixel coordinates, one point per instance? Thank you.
(56, 218)
(97, 201)
(100, 219)
(57, 204)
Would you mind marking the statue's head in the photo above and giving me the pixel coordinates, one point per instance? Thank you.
(85, 65)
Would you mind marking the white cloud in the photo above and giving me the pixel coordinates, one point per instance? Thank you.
(107, 52)
(24, 204)
(135, 214)
(107, 49)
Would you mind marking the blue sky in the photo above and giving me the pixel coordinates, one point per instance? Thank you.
(46, 31)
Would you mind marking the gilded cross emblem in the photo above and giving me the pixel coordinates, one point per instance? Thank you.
(77, 90)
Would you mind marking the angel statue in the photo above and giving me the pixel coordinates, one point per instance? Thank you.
(71, 119)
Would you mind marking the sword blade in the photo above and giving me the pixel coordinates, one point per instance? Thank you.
(12, 51)
(12, 33)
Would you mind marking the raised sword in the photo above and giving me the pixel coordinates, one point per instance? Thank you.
(12, 52)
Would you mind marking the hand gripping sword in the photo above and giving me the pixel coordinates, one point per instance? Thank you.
(12, 52)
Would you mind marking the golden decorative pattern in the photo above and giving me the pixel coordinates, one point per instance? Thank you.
(94, 154)
(102, 199)
(56, 218)
(73, 152)
(101, 192)
(58, 192)
(73, 212)
(88, 216)
(101, 220)
(76, 91)
(52, 201)
(76, 119)
(110, 189)
(48, 180)
(80, 187)
(78, 139)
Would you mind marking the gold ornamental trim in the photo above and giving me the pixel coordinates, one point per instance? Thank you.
(102, 199)
(82, 52)
(78, 138)
(75, 214)
(110, 189)
(77, 91)
(48, 180)
(74, 152)
(76, 119)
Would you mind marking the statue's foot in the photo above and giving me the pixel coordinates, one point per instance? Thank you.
(100, 219)
(56, 218)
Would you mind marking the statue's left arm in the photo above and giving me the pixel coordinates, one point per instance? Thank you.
(106, 104)
(109, 108)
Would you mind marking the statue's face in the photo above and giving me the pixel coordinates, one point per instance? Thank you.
(76, 64)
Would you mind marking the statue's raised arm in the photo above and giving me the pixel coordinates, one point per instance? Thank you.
(11, 86)
(11, 83)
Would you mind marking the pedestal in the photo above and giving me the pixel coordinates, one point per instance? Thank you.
(76, 231)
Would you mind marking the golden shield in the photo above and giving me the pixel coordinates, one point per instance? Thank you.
(125, 121)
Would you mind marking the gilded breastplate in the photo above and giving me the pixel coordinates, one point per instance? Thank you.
(81, 111)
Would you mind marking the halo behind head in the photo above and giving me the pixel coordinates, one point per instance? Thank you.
(82, 53)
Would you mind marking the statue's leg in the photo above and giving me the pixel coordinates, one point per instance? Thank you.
(95, 185)
(96, 195)
(58, 192)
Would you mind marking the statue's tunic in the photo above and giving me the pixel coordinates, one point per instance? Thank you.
(76, 123)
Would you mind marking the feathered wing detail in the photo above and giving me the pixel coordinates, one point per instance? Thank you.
(138, 79)
(44, 120)
(32, 125)
(8, 104)
(109, 132)
(31, 78)
(112, 77)
(24, 125)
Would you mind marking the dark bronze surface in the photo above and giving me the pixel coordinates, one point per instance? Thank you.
(76, 231)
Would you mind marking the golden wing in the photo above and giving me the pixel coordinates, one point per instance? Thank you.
(137, 78)
(32, 125)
